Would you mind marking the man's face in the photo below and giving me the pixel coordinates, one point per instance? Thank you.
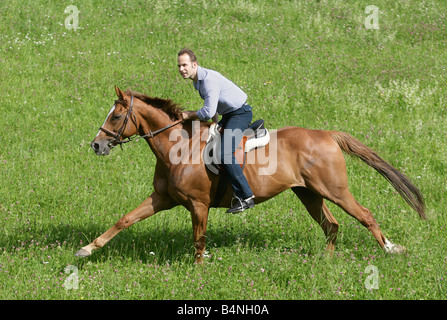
(186, 68)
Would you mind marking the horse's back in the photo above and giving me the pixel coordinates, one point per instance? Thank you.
(293, 156)
(306, 141)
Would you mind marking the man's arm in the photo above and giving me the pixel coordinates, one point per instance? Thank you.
(210, 94)
(192, 115)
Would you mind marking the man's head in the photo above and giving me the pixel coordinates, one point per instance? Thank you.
(187, 64)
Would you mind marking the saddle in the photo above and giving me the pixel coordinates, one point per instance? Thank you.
(255, 136)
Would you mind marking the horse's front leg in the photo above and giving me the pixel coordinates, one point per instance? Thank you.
(147, 208)
(199, 215)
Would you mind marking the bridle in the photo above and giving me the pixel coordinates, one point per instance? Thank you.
(117, 135)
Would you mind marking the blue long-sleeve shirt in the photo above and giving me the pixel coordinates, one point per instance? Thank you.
(220, 94)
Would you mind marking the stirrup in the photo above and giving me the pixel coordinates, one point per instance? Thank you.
(242, 205)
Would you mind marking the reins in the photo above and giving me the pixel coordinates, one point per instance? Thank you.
(151, 134)
(117, 135)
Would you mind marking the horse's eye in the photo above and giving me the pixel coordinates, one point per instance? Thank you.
(117, 117)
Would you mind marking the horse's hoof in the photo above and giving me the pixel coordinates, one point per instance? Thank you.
(82, 253)
(394, 248)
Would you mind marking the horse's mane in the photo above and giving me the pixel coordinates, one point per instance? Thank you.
(173, 110)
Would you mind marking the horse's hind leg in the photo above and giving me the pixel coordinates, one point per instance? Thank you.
(315, 205)
(347, 202)
(328, 178)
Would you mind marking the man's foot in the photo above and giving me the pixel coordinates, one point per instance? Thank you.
(241, 205)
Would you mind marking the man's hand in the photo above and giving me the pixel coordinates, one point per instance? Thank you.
(189, 115)
(192, 115)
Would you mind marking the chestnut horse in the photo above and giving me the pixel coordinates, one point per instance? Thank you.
(310, 162)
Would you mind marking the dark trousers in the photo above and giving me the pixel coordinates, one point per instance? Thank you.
(234, 124)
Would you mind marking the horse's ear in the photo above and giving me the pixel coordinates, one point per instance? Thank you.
(119, 93)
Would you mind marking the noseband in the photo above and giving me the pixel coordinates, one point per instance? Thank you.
(117, 135)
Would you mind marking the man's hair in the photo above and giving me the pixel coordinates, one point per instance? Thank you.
(189, 52)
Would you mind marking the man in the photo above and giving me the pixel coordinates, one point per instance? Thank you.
(221, 97)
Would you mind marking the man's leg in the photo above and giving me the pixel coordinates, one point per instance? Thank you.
(234, 127)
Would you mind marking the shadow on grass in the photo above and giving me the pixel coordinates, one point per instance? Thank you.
(151, 244)
(156, 242)
(156, 246)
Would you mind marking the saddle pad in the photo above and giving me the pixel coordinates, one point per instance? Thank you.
(211, 152)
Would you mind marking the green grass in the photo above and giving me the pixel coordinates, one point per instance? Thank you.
(308, 63)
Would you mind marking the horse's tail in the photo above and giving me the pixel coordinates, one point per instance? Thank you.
(398, 180)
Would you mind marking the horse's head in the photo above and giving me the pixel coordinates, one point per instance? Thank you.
(119, 124)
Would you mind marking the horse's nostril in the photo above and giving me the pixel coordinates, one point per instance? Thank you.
(95, 146)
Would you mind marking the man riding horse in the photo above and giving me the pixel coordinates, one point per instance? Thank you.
(221, 97)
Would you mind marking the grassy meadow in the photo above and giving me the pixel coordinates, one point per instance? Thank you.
(311, 64)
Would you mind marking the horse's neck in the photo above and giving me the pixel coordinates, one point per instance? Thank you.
(160, 144)
(180, 141)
